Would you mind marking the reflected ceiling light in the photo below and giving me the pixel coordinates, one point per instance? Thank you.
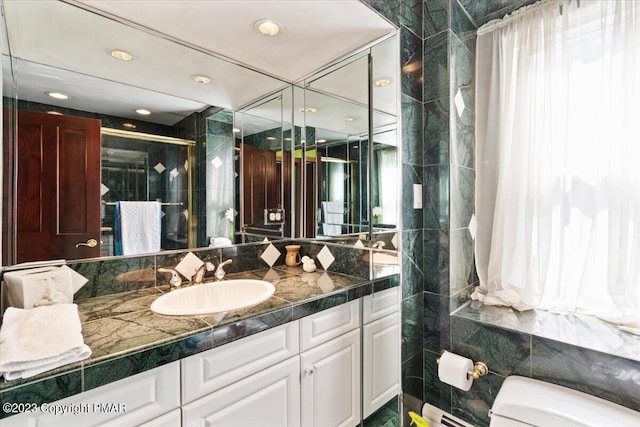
(355, 147)
(411, 67)
(268, 27)
(320, 141)
(57, 95)
(55, 113)
(122, 55)
(143, 112)
(199, 78)
(236, 130)
(383, 81)
(287, 139)
(129, 125)
(308, 110)
(348, 119)
(271, 138)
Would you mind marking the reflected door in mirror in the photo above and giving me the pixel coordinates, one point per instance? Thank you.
(58, 187)
(261, 184)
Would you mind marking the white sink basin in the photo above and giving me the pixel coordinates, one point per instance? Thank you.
(213, 297)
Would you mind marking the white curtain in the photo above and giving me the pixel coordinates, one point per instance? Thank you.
(558, 159)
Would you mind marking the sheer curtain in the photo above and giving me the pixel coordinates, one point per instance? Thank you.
(558, 159)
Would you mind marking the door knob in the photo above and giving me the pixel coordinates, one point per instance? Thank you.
(92, 243)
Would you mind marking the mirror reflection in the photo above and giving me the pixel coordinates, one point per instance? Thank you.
(195, 153)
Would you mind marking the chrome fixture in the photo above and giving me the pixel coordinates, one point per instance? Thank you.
(175, 281)
(198, 276)
(220, 271)
(378, 245)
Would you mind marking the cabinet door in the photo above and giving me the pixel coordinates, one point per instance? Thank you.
(331, 383)
(270, 398)
(380, 363)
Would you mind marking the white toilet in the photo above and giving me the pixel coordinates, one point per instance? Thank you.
(526, 402)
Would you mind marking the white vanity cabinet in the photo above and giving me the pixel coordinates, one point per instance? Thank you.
(132, 401)
(331, 367)
(269, 398)
(252, 381)
(381, 355)
(328, 369)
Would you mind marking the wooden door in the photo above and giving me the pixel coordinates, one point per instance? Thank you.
(261, 184)
(58, 187)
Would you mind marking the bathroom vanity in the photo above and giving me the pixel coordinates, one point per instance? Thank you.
(323, 351)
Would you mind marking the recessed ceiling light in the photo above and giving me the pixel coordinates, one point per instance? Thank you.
(122, 55)
(348, 119)
(199, 78)
(57, 95)
(143, 112)
(271, 138)
(268, 27)
(236, 130)
(129, 125)
(320, 141)
(308, 110)
(383, 81)
(55, 113)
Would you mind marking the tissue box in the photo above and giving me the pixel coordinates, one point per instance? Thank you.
(25, 287)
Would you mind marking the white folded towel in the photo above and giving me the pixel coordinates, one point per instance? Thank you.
(140, 227)
(40, 339)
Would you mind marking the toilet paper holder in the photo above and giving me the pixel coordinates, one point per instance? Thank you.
(480, 369)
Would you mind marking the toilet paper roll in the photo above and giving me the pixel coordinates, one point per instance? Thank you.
(454, 370)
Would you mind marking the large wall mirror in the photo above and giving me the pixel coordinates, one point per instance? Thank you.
(238, 123)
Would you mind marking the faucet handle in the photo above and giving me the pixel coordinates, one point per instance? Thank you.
(220, 271)
(175, 280)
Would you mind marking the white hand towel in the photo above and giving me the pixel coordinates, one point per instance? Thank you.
(37, 340)
(140, 227)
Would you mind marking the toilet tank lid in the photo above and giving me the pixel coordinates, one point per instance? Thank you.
(543, 404)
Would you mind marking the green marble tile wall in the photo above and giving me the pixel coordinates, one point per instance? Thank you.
(437, 64)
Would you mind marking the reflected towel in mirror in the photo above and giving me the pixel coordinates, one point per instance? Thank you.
(137, 228)
(333, 216)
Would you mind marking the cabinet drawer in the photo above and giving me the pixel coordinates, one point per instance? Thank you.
(321, 327)
(216, 368)
(270, 398)
(128, 402)
(172, 419)
(379, 304)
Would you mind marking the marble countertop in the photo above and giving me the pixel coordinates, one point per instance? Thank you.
(126, 337)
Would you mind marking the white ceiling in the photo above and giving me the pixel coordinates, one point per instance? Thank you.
(61, 47)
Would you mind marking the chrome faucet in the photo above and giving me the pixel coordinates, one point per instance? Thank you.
(220, 271)
(175, 280)
(198, 276)
(378, 245)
